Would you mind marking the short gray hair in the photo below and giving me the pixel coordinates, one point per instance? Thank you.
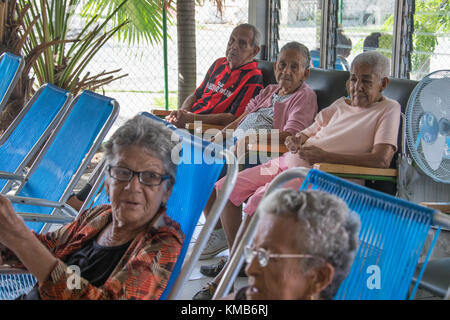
(332, 229)
(151, 135)
(380, 63)
(256, 41)
(301, 48)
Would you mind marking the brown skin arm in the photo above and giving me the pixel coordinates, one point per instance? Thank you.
(221, 119)
(379, 157)
(242, 144)
(188, 103)
(180, 117)
(15, 235)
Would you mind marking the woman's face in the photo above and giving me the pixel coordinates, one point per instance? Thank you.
(135, 204)
(290, 71)
(282, 278)
(365, 87)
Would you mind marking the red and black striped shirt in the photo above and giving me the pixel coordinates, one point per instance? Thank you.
(226, 90)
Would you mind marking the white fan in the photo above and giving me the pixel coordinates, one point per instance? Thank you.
(428, 126)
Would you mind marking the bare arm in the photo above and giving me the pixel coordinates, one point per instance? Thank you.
(221, 119)
(234, 124)
(15, 235)
(189, 102)
(379, 157)
(242, 144)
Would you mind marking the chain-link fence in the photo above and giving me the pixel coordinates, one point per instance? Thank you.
(362, 25)
(143, 87)
(431, 38)
(368, 25)
(300, 21)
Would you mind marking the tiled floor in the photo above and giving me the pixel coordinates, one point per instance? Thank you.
(197, 280)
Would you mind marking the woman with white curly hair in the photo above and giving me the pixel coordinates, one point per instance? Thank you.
(303, 249)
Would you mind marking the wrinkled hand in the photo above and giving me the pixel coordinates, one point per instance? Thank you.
(294, 143)
(313, 154)
(179, 118)
(12, 227)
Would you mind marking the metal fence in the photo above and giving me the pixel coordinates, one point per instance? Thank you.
(368, 25)
(361, 24)
(143, 88)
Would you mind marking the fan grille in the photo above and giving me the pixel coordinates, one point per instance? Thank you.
(414, 112)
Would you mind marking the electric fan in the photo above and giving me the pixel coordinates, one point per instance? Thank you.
(428, 127)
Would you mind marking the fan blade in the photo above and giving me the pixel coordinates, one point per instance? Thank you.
(434, 152)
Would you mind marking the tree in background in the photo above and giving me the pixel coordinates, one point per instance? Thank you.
(431, 19)
(38, 31)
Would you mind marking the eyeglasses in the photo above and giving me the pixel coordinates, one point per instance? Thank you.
(147, 178)
(264, 255)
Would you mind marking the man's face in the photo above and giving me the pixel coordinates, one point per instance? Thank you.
(239, 48)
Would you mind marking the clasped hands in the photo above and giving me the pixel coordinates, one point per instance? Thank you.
(309, 153)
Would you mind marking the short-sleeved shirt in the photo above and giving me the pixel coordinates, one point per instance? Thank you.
(226, 90)
(342, 128)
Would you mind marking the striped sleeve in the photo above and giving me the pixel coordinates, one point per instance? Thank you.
(201, 89)
(246, 94)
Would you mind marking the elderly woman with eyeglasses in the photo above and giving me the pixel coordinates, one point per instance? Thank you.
(125, 250)
(303, 249)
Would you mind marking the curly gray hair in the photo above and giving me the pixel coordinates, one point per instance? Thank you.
(149, 134)
(332, 229)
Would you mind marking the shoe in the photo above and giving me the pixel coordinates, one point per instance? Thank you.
(213, 270)
(206, 293)
(217, 243)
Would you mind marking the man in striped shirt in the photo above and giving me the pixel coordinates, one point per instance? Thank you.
(229, 85)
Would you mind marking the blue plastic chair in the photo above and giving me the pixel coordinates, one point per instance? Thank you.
(198, 158)
(392, 236)
(64, 158)
(57, 170)
(28, 132)
(11, 67)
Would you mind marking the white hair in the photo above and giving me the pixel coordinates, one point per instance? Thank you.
(151, 135)
(332, 229)
(379, 63)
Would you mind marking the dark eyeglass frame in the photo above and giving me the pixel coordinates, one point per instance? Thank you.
(264, 255)
(132, 173)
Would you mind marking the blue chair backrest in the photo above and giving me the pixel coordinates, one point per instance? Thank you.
(65, 154)
(34, 124)
(392, 235)
(10, 70)
(197, 173)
